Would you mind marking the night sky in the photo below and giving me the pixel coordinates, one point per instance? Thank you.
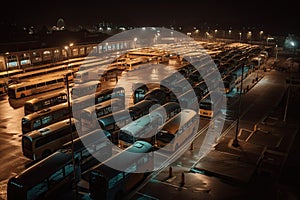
(269, 16)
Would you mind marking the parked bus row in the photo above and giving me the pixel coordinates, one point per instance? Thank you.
(55, 173)
(146, 126)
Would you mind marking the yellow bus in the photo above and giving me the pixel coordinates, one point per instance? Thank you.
(87, 88)
(209, 107)
(178, 130)
(41, 143)
(45, 117)
(35, 86)
(104, 108)
(40, 103)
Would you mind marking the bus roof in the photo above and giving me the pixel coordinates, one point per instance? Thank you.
(178, 120)
(40, 170)
(125, 157)
(115, 117)
(46, 110)
(48, 129)
(103, 104)
(37, 99)
(82, 141)
(35, 81)
(144, 104)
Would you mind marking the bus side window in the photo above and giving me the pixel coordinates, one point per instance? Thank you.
(47, 119)
(57, 176)
(37, 190)
(37, 123)
(68, 169)
(113, 181)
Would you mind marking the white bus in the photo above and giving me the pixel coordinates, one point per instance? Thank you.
(99, 110)
(40, 103)
(35, 86)
(87, 88)
(178, 130)
(41, 143)
(45, 117)
(146, 127)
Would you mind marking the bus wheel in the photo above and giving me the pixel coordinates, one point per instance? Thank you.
(22, 95)
(46, 153)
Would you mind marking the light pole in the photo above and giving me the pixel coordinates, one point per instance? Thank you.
(260, 35)
(288, 94)
(71, 132)
(240, 34)
(249, 36)
(276, 51)
(235, 142)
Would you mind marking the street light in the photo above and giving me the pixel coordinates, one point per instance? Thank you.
(229, 33)
(240, 34)
(249, 36)
(235, 142)
(260, 34)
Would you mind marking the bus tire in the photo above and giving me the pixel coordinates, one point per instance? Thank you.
(22, 95)
(46, 153)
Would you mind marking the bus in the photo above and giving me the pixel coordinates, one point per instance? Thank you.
(40, 72)
(147, 126)
(209, 108)
(229, 83)
(201, 89)
(190, 100)
(40, 103)
(114, 121)
(87, 88)
(86, 101)
(109, 183)
(41, 143)
(45, 179)
(110, 93)
(141, 129)
(96, 143)
(45, 117)
(106, 107)
(35, 86)
(139, 90)
(157, 94)
(178, 130)
(102, 74)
